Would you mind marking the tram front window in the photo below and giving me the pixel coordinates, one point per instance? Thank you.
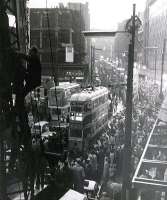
(76, 109)
(56, 111)
(60, 98)
(76, 116)
(77, 133)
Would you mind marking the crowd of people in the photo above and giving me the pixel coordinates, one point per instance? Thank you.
(103, 161)
(97, 162)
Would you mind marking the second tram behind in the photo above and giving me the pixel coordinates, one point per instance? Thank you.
(61, 107)
(88, 117)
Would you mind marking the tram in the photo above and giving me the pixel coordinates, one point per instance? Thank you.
(61, 105)
(88, 117)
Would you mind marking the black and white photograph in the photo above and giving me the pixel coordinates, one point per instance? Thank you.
(83, 99)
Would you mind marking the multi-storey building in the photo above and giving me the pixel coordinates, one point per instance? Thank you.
(155, 33)
(55, 28)
(19, 24)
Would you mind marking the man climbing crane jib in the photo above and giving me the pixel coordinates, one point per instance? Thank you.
(33, 71)
(33, 78)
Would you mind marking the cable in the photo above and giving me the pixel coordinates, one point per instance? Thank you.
(53, 70)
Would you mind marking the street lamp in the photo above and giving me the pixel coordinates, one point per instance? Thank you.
(132, 24)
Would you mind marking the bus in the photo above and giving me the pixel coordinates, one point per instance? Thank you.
(63, 93)
(88, 116)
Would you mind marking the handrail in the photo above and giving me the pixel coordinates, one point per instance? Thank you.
(144, 152)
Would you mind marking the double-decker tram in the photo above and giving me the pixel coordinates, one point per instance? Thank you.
(61, 105)
(88, 117)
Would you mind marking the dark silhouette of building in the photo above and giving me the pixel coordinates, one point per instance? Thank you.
(155, 21)
(58, 28)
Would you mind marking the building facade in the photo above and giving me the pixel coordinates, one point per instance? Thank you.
(155, 35)
(53, 29)
(19, 24)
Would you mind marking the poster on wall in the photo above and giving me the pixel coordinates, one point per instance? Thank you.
(69, 53)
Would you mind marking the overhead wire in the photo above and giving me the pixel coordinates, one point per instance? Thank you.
(53, 70)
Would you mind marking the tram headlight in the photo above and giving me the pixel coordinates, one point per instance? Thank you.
(72, 117)
(80, 114)
(78, 118)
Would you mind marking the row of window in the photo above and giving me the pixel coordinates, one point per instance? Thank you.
(99, 101)
(88, 106)
(93, 117)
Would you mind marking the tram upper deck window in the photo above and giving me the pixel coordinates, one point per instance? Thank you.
(77, 133)
(102, 99)
(67, 94)
(60, 98)
(76, 107)
(96, 103)
(87, 107)
(87, 119)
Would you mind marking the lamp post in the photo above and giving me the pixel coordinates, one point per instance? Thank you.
(155, 66)
(131, 26)
(93, 54)
(94, 34)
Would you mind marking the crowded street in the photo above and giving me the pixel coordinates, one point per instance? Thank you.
(83, 100)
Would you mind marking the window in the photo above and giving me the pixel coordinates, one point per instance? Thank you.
(76, 109)
(87, 119)
(95, 103)
(75, 133)
(35, 38)
(87, 132)
(35, 23)
(56, 111)
(45, 128)
(45, 38)
(87, 107)
(60, 98)
(64, 36)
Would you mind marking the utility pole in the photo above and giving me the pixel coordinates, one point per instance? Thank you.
(155, 66)
(162, 68)
(92, 65)
(128, 117)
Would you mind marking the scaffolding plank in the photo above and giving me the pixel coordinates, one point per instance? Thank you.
(144, 152)
(154, 163)
(157, 146)
(152, 181)
(150, 186)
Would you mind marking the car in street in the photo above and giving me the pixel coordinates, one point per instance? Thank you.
(39, 128)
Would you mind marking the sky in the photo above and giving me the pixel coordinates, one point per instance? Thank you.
(104, 14)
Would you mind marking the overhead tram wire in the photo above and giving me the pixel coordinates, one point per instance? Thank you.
(53, 71)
